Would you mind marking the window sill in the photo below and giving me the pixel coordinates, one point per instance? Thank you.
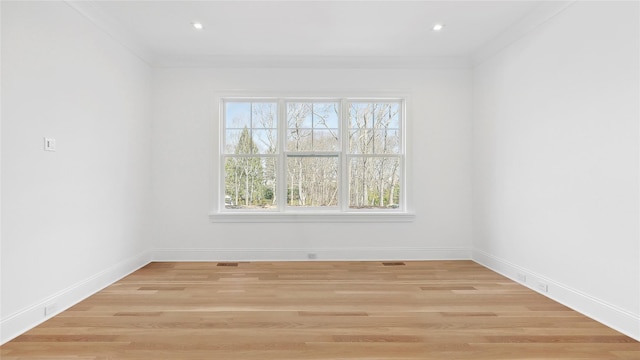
(348, 217)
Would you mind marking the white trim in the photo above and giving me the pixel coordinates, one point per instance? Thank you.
(311, 217)
(31, 316)
(610, 315)
(544, 12)
(312, 62)
(302, 254)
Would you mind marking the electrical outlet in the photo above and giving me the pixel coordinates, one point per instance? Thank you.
(521, 277)
(312, 256)
(542, 287)
(50, 309)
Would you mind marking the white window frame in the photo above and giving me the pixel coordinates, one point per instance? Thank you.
(286, 213)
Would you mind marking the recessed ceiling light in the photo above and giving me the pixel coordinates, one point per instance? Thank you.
(197, 25)
(437, 27)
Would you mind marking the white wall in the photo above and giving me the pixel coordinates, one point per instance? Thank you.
(76, 219)
(185, 134)
(556, 156)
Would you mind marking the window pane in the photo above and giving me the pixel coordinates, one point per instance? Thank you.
(299, 127)
(265, 141)
(232, 137)
(374, 183)
(361, 141)
(312, 181)
(325, 115)
(325, 140)
(250, 128)
(237, 115)
(250, 182)
(264, 115)
(386, 115)
(384, 119)
(299, 140)
(387, 141)
(240, 142)
(299, 115)
(312, 126)
(360, 116)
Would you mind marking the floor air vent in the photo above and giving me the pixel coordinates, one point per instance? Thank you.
(227, 264)
(393, 264)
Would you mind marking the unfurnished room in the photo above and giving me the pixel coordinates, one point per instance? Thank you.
(306, 179)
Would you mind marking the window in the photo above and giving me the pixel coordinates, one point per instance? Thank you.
(312, 156)
(250, 155)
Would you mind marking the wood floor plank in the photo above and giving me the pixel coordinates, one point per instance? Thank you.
(319, 310)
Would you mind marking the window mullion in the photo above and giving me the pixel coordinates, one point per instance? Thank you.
(282, 163)
(343, 190)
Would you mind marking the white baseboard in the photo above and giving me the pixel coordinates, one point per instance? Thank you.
(333, 254)
(31, 316)
(597, 309)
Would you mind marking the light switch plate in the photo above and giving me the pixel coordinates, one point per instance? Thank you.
(49, 144)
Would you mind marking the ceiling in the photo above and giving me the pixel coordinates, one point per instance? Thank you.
(305, 32)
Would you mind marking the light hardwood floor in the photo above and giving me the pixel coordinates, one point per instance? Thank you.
(319, 310)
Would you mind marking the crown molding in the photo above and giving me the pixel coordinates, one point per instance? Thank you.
(112, 28)
(544, 12)
(322, 62)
